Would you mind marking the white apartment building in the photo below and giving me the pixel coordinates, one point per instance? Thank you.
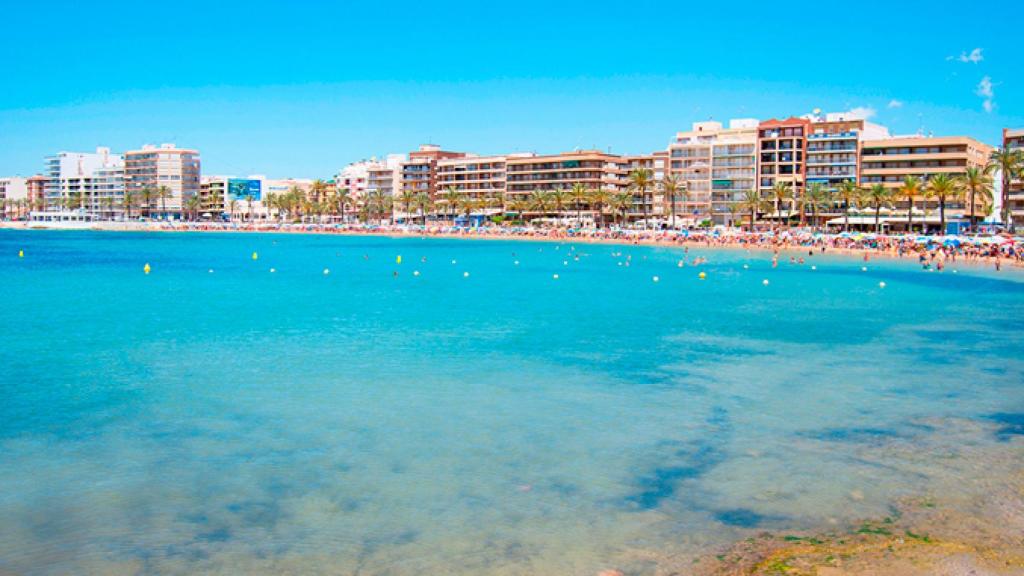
(92, 181)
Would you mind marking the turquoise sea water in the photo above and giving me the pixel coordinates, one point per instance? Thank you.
(243, 421)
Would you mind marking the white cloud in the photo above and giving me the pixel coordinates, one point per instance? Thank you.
(986, 91)
(861, 113)
(973, 57)
(895, 104)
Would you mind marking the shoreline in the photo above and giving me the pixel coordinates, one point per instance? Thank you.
(761, 241)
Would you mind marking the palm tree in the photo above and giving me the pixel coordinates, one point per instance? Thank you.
(944, 187)
(909, 189)
(580, 194)
(781, 192)
(407, 198)
(560, 198)
(232, 206)
(753, 202)
(818, 196)
(73, 200)
(343, 197)
(192, 207)
(163, 193)
(128, 201)
(599, 198)
(249, 197)
(849, 193)
(640, 181)
(540, 201)
(877, 196)
(148, 194)
(978, 185)
(452, 201)
(271, 201)
(673, 187)
(1011, 164)
(621, 202)
(317, 190)
(425, 205)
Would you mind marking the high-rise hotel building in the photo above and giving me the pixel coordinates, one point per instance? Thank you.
(167, 168)
(1014, 140)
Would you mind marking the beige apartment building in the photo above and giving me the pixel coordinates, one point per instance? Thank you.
(889, 161)
(475, 176)
(717, 165)
(1013, 139)
(165, 167)
(592, 168)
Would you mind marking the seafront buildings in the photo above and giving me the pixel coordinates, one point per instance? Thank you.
(717, 167)
(162, 178)
(889, 161)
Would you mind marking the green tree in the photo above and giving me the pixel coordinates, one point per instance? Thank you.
(1010, 163)
(641, 181)
(818, 197)
(781, 193)
(909, 189)
(540, 201)
(753, 203)
(673, 188)
(599, 199)
(877, 196)
(580, 194)
(944, 188)
(977, 183)
(849, 193)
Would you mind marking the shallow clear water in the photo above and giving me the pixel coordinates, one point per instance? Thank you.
(243, 421)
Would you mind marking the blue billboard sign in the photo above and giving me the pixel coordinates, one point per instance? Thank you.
(244, 189)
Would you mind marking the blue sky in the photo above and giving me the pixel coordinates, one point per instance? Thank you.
(302, 88)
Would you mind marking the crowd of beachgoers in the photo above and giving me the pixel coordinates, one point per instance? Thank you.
(930, 251)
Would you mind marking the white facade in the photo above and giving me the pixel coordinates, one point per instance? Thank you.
(95, 178)
(373, 174)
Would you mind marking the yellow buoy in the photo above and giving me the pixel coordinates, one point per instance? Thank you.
(21, 253)
(255, 256)
(146, 268)
(398, 259)
(702, 275)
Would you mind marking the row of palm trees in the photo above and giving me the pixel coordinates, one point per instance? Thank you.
(972, 186)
